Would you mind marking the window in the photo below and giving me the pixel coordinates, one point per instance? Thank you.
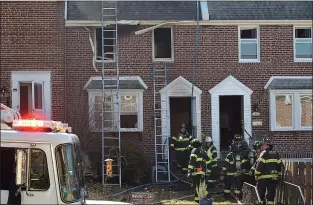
(38, 95)
(249, 44)
(163, 44)
(131, 109)
(108, 44)
(291, 110)
(70, 178)
(39, 176)
(303, 44)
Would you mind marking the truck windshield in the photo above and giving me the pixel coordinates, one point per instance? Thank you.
(69, 171)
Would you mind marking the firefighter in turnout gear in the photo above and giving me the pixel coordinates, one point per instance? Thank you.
(235, 168)
(211, 162)
(253, 156)
(180, 144)
(197, 165)
(267, 171)
(240, 146)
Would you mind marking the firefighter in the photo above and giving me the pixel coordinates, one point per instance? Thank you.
(180, 144)
(267, 172)
(240, 146)
(234, 169)
(211, 162)
(197, 165)
(253, 161)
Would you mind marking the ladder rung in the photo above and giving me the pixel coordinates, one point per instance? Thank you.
(159, 69)
(108, 15)
(110, 45)
(111, 147)
(162, 171)
(162, 162)
(109, 86)
(108, 30)
(159, 76)
(111, 138)
(163, 153)
(160, 84)
(109, 38)
(108, 8)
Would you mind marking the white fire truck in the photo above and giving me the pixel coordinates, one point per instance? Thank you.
(41, 163)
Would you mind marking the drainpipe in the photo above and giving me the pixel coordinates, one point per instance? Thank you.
(64, 54)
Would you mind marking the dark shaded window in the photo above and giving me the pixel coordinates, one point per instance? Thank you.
(108, 43)
(248, 34)
(303, 33)
(248, 44)
(163, 43)
(303, 43)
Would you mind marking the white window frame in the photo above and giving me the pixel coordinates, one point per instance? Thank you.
(296, 110)
(138, 92)
(96, 47)
(257, 41)
(294, 44)
(172, 48)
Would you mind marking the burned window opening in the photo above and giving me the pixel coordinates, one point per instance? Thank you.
(163, 43)
(108, 44)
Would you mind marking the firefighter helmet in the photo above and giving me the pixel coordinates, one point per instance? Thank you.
(267, 140)
(257, 145)
(195, 143)
(237, 137)
(208, 139)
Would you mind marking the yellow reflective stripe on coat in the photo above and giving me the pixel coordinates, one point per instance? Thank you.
(223, 168)
(237, 191)
(199, 159)
(270, 160)
(227, 160)
(197, 173)
(172, 145)
(269, 202)
(191, 167)
(226, 191)
(194, 155)
(180, 149)
(231, 173)
(268, 176)
(174, 138)
(212, 181)
(257, 172)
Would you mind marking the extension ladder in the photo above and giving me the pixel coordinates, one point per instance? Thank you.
(161, 138)
(111, 136)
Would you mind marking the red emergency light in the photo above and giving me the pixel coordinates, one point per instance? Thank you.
(41, 125)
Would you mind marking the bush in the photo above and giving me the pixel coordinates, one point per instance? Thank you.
(137, 170)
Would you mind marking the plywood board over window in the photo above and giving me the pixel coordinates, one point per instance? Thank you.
(291, 110)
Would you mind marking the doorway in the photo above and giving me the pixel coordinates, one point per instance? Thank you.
(180, 112)
(231, 117)
(25, 100)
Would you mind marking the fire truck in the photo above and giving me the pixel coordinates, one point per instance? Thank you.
(41, 163)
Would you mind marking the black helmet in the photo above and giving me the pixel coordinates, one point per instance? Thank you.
(195, 143)
(257, 145)
(237, 137)
(267, 140)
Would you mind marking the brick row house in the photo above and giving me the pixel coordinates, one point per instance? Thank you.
(254, 66)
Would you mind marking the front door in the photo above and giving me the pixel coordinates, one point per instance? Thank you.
(31, 94)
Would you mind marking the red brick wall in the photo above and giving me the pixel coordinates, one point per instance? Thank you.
(218, 58)
(32, 38)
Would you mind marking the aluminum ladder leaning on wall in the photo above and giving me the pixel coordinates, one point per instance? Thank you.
(110, 94)
(161, 143)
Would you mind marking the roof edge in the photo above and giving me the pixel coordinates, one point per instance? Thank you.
(78, 23)
(120, 78)
(285, 77)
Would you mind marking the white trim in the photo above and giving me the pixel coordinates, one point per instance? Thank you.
(169, 91)
(285, 77)
(121, 78)
(296, 110)
(30, 76)
(65, 10)
(230, 78)
(294, 44)
(204, 10)
(180, 79)
(172, 48)
(221, 90)
(139, 93)
(78, 23)
(257, 60)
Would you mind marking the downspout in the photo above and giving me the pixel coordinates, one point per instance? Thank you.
(65, 69)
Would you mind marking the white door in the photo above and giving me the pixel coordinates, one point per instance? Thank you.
(38, 99)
